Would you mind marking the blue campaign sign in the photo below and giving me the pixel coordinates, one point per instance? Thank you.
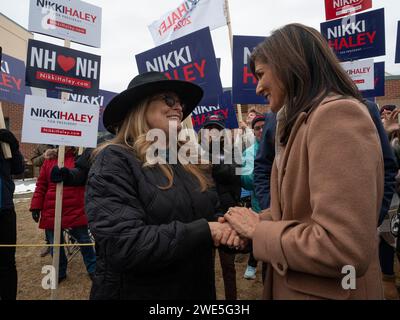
(244, 83)
(357, 37)
(379, 90)
(190, 58)
(221, 105)
(58, 68)
(12, 80)
(398, 44)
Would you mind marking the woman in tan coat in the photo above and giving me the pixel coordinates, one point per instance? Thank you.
(319, 237)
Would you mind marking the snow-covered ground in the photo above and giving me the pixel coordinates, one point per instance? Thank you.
(25, 186)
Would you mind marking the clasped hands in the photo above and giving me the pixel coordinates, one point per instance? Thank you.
(235, 229)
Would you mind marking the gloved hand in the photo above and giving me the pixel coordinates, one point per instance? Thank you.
(58, 175)
(8, 137)
(36, 215)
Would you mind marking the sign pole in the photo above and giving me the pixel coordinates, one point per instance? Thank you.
(58, 208)
(229, 24)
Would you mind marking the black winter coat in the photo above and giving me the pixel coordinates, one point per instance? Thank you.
(150, 243)
(8, 167)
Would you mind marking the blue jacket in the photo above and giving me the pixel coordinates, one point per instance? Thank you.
(388, 158)
(247, 176)
(15, 165)
(266, 155)
(263, 162)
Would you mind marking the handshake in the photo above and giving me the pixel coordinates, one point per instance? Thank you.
(235, 229)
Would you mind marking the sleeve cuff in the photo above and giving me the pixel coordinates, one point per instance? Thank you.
(198, 234)
(267, 245)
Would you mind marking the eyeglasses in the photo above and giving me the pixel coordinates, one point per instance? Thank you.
(169, 100)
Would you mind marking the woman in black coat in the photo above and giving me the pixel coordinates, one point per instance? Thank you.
(151, 222)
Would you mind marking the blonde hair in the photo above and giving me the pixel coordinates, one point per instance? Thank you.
(132, 135)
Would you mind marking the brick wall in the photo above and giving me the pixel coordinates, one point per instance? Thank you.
(392, 92)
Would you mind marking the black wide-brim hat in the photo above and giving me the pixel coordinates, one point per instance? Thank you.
(146, 85)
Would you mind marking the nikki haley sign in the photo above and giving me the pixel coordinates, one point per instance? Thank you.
(74, 20)
(57, 68)
(12, 80)
(357, 37)
(190, 58)
(244, 83)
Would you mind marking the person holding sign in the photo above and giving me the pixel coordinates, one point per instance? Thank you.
(152, 220)
(8, 220)
(73, 212)
(319, 236)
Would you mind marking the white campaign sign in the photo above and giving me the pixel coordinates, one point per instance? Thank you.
(60, 122)
(73, 20)
(188, 17)
(361, 72)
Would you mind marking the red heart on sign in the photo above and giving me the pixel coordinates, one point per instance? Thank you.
(66, 63)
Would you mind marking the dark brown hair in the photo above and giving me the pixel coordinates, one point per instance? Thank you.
(307, 68)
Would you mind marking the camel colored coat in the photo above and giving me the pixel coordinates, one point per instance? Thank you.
(325, 201)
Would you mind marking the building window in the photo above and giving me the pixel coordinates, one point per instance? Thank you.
(7, 122)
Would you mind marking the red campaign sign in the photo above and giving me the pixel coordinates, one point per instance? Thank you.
(339, 8)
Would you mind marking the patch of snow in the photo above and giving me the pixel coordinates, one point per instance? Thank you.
(25, 186)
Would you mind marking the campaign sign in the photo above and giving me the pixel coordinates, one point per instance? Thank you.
(361, 72)
(100, 100)
(74, 20)
(221, 105)
(58, 68)
(357, 37)
(244, 83)
(339, 8)
(12, 80)
(60, 122)
(190, 58)
(398, 44)
(379, 82)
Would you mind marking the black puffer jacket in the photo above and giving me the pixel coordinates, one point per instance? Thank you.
(150, 243)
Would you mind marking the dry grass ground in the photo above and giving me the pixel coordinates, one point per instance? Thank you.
(77, 286)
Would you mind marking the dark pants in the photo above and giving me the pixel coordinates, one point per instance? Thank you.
(386, 257)
(8, 269)
(81, 235)
(228, 273)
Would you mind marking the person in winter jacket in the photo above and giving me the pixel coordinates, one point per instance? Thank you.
(151, 220)
(73, 212)
(327, 179)
(227, 183)
(247, 179)
(8, 223)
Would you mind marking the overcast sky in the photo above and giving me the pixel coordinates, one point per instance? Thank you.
(125, 32)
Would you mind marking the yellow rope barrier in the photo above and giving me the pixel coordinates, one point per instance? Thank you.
(46, 245)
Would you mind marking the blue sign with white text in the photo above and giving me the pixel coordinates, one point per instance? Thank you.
(358, 36)
(379, 81)
(190, 58)
(12, 80)
(221, 105)
(244, 83)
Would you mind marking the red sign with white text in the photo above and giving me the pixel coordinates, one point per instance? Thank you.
(339, 8)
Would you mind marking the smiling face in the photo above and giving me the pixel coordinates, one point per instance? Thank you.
(269, 86)
(164, 109)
